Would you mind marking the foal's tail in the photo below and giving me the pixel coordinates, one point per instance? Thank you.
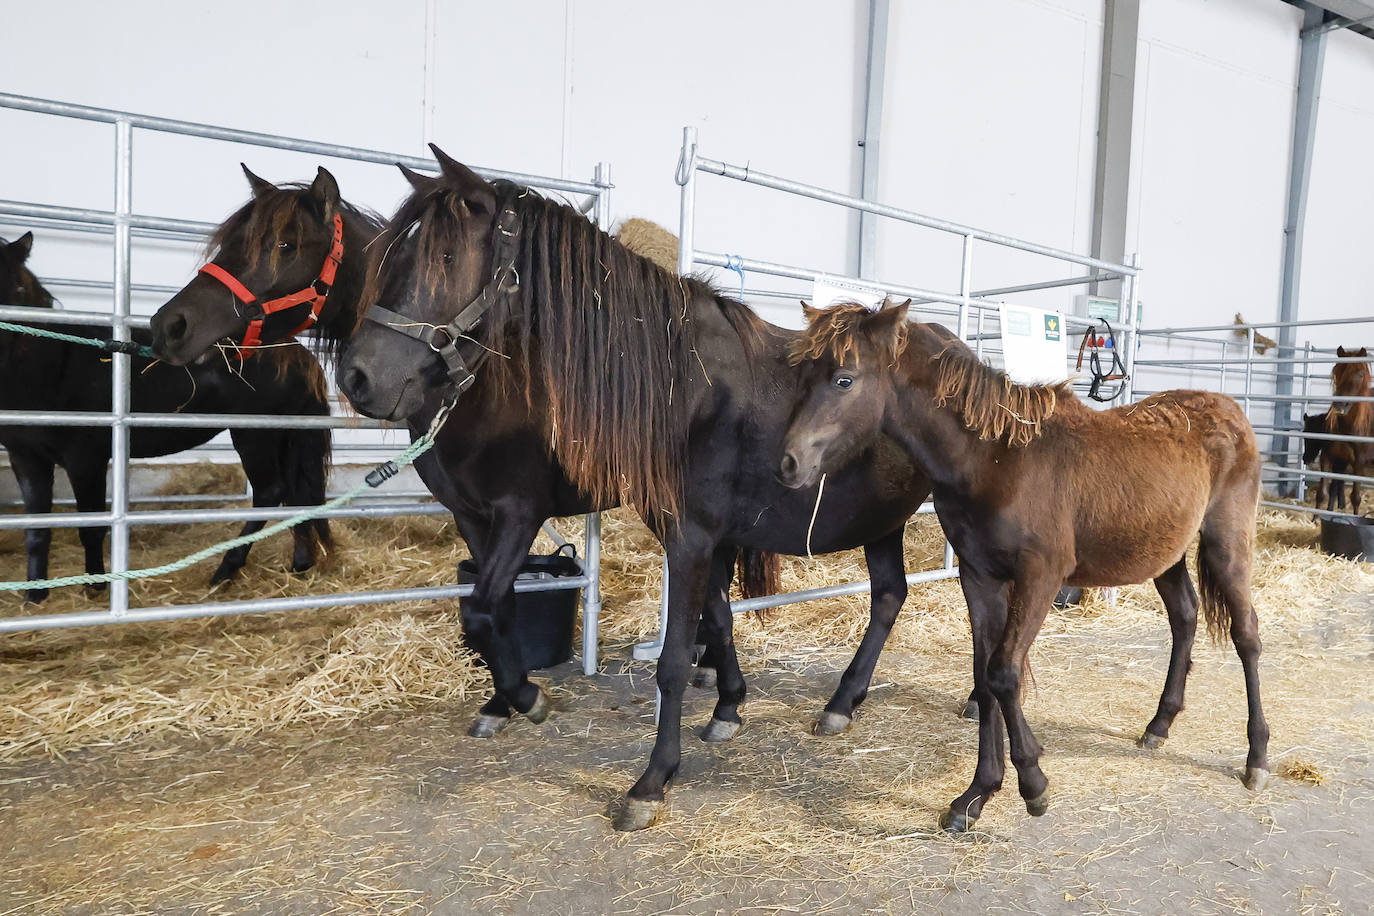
(759, 573)
(1216, 610)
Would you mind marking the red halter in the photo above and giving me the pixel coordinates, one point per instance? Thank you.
(313, 296)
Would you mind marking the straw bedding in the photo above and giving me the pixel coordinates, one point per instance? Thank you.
(66, 689)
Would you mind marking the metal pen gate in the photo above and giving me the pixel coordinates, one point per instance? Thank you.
(123, 225)
(965, 309)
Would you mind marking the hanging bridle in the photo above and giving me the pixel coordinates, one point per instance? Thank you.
(443, 339)
(1117, 371)
(284, 310)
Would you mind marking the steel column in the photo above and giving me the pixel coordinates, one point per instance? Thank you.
(1115, 111)
(872, 136)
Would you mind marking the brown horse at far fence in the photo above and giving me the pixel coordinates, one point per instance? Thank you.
(1351, 418)
(1036, 490)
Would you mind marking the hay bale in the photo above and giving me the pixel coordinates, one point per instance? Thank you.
(650, 240)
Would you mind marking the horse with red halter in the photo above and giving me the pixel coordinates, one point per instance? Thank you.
(1351, 418)
(1035, 490)
(645, 386)
(284, 466)
(490, 466)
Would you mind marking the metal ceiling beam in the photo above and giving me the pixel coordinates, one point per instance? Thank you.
(873, 126)
(1310, 65)
(1115, 112)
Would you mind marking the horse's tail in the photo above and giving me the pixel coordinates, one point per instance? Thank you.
(759, 572)
(1216, 610)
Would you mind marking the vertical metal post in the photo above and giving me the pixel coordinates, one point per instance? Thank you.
(591, 595)
(1312, 42)
(1221, 376)
(119, 387)
(978, 344)
(965, 287)
(687, 180)
(1249, 366)
(873, 128)
(1115, 116)
(1302, 443)
(1132, 324)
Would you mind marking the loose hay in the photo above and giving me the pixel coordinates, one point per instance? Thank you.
(65, 689)
(1302, 771)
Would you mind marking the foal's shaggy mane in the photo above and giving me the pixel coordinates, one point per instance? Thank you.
(1356, 419)
(608, 333)
(986, 399)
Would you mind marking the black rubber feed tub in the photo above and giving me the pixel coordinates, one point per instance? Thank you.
(543, 620)
(1349, 536)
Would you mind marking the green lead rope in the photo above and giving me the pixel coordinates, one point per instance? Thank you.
(108, 346)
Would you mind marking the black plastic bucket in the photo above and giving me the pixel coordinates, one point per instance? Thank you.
(1349, 536)
(543, 620)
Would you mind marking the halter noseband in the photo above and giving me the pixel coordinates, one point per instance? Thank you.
(443, 339)
(313, 297)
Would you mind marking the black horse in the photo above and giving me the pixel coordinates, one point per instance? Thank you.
(284, 466)
(647, 386)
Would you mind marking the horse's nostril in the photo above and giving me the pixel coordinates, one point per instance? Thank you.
(175, 328)
(354, 382)
(789, 464)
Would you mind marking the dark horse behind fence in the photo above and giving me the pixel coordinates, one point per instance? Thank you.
(497, 478)
(284, 466)
(1036, 490)
(1350, 418)
(491, 466)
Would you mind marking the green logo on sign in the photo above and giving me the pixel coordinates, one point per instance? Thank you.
(1051, 327)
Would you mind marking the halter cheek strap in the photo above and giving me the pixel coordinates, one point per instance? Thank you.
(260, 314)
(443, 339)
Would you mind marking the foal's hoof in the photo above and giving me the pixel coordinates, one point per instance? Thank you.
(1036, 807)
(831, 723)
(970, 710)
(1255, 778)
(485, 726)
(718, 730)
(636, 814)
(952, 821)
(96, 589)
(1150, 742)
(704, 678)
(541, 708)
(223, 574)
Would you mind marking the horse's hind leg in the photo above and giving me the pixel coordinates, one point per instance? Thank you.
(35, 476)
(718, 625)
(1180, 601)
(88, 486)
(987, 612)
(887, 573)
(1224, 561)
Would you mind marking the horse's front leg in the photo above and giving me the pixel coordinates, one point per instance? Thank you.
(987, 614)
(489, 621)
(887, 573)
(689, 565)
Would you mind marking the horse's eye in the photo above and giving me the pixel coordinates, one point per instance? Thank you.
(284, 246)
(448, 257)
(843, 382)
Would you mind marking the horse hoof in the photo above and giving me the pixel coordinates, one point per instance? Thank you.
(303, 567)
(1036, 807)
(36, 596)
(541, 708)
(636, 814)
(96, 589)
(485, 726)
(718, 730)
(223, 575)
(953, 821)
(831, 723)
(970, 710)
(1150, 742)
(704, 678)
(1255, 778)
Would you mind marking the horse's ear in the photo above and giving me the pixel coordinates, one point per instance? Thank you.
(417, 181)
(259, 185)
(888, 321)
(1364, 351)
(324, 190)
(472, 188)
(811, 312)
(1340, 351)
(22, 246)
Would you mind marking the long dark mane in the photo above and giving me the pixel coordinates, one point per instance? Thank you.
(277, 212)
(606, 335)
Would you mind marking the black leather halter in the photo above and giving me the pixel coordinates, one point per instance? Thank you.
(443, 340)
